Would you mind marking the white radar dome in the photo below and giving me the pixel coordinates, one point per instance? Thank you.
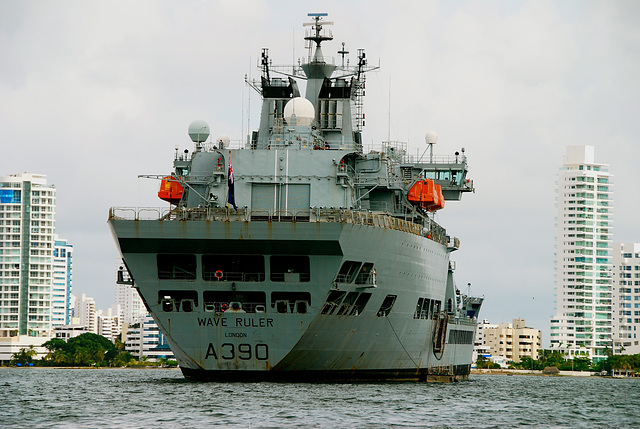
(431, 137)
(199, 131)
(302, 109)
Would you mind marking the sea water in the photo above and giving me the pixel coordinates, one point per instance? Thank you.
(162, 398)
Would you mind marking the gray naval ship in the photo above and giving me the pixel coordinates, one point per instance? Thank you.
(298, 256)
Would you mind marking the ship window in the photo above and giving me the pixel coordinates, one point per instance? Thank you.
(422, 308)
(290, 269)
(178, 300)
(425, 309)
(345, 308)
(332, 302)
(176, 267)
(291, 302)
(417, 313)
(245, 302)
(364, 276)
(435, 308)
(281, 306)
(360, 304)
(243, 268)
(301, 307)
(387, 305)
(347, 271)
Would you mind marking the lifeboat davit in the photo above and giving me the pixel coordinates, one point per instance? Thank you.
(426, 194)
(170, 190)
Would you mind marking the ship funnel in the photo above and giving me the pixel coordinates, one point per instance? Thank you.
(199, 131)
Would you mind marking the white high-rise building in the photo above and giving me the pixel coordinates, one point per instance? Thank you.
(62, 281)
(27, 242)
(85, 310)
(109, 325)
(626, 298)
(583, 315)
(127, 297)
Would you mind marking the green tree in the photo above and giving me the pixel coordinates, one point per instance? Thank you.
(90, 348)
(24, 356)
(81, 356)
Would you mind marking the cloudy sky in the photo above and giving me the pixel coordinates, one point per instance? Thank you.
(94, 93)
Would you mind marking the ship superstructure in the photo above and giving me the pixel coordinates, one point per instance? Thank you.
(298, 256)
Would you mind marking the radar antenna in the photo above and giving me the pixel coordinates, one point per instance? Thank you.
(343, 52)
(265, 64)
(318, 35)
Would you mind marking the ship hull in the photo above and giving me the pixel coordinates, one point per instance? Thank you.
(291, 341)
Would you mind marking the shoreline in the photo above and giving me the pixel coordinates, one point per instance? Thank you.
(539, 373)
(87, 367)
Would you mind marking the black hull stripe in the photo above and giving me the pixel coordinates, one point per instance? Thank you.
(215, 246)
(461, 372)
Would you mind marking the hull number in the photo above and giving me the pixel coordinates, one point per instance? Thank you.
(230, 351)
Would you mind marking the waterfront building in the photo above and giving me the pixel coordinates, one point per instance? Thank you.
(144, 339)
(27, 242)
(132, 338)
(62, 282)
(85, 311)
(626, 298)
(69, 331)
(583, 313)
(512, 341)
(109, 324)
(9, 345)
(479, 346)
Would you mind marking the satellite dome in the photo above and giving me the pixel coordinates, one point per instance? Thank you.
(431, 137)
(302, 109)
(199, 131)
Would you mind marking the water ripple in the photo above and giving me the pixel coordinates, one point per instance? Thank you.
(162, 398)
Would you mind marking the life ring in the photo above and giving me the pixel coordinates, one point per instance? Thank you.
(218, 274)
(224, 307)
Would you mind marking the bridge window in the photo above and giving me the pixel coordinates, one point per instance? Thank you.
(176, 267)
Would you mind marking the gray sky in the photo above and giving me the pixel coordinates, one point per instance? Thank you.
(93, 93)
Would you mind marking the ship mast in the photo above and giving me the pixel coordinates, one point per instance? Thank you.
(316, 69)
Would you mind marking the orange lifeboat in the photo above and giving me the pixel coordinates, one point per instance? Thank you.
(440, 204)
(170, 190)
(426, 194)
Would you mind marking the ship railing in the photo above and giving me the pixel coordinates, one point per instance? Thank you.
(290, 277)
(343, 278)
(429, 229)
(245, 307)
(457, 320)
(231, 276)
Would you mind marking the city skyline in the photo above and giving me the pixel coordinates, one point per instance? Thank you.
(512, 83)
